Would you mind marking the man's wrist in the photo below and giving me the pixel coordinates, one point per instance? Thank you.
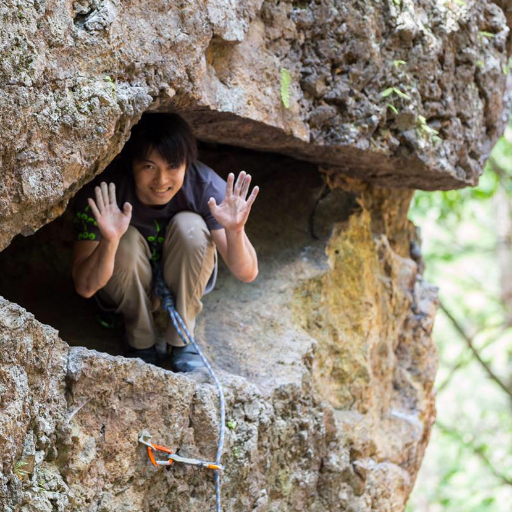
(235, 232)
(110, 245)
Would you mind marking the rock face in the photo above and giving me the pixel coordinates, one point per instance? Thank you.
(327, 359)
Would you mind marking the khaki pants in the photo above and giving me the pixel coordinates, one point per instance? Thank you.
(188, 259)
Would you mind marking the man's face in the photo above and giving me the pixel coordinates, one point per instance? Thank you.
(156, 180)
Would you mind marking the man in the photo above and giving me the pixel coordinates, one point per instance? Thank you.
(177, 212)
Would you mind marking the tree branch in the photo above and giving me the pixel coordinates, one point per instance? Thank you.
(469, 342)
(464, 360)
(478, 450)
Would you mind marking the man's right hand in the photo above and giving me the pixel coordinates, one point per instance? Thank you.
(112, 222)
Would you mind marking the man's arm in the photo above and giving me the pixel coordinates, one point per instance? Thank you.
(238, 253)
(93, 265)
(93, 262)
(232, 214)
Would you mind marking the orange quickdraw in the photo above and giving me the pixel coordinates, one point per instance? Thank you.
(145, 437)
(160, 449)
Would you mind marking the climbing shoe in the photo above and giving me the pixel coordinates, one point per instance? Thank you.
(185, 359)
(148, 355)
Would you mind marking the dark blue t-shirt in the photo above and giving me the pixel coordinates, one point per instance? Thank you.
(199, 185)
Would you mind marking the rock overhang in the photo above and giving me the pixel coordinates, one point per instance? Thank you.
(402, 95)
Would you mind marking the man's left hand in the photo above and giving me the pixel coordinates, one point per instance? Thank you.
(234, 210)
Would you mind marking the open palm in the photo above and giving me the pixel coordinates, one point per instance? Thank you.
(234, 210)
(112, 222)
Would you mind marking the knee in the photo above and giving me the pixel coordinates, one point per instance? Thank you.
(190, 230)
(130, 252)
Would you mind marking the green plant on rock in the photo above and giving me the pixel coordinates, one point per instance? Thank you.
(391, 90)
(483, 34)
(286, 81)
(18, 469)
(392, 107)
(395, 90)
(430, 132)
(112, 84)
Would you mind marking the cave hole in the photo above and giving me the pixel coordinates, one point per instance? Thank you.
(294, 208)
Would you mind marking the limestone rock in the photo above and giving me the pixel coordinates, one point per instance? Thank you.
(327, 359)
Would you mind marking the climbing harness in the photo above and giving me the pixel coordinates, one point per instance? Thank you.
(169, 305)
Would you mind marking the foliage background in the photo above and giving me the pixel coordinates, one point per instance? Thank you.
(467, 247)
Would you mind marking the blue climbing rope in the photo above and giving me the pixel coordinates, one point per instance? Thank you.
(169, 305)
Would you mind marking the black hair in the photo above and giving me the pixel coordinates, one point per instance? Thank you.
(169, 134)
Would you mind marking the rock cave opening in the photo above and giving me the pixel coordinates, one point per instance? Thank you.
(291, 219)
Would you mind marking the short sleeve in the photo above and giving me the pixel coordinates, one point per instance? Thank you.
(216, 188)
(83, 221)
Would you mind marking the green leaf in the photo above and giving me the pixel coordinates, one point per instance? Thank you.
(426, 128)
(460, 2)
(387, 92)
(231, 424)
(286, 81)
(430, 130)
(18, 471)
(397, 63)
(392, 108)
(400, 93)
(109, 80)
(486, 34)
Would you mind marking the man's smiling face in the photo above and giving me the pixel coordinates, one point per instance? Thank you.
(156, 180)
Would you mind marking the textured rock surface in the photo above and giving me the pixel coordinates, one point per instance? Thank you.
(326, 359)
(75, 76)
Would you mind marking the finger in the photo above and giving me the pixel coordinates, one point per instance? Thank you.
(99, 199)
(112, 193)
(245, 188)
(94, 209)
(212, 204)
(253, 195)
(104, 192)
(127, 210)
(229, 185)
(239, 183)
